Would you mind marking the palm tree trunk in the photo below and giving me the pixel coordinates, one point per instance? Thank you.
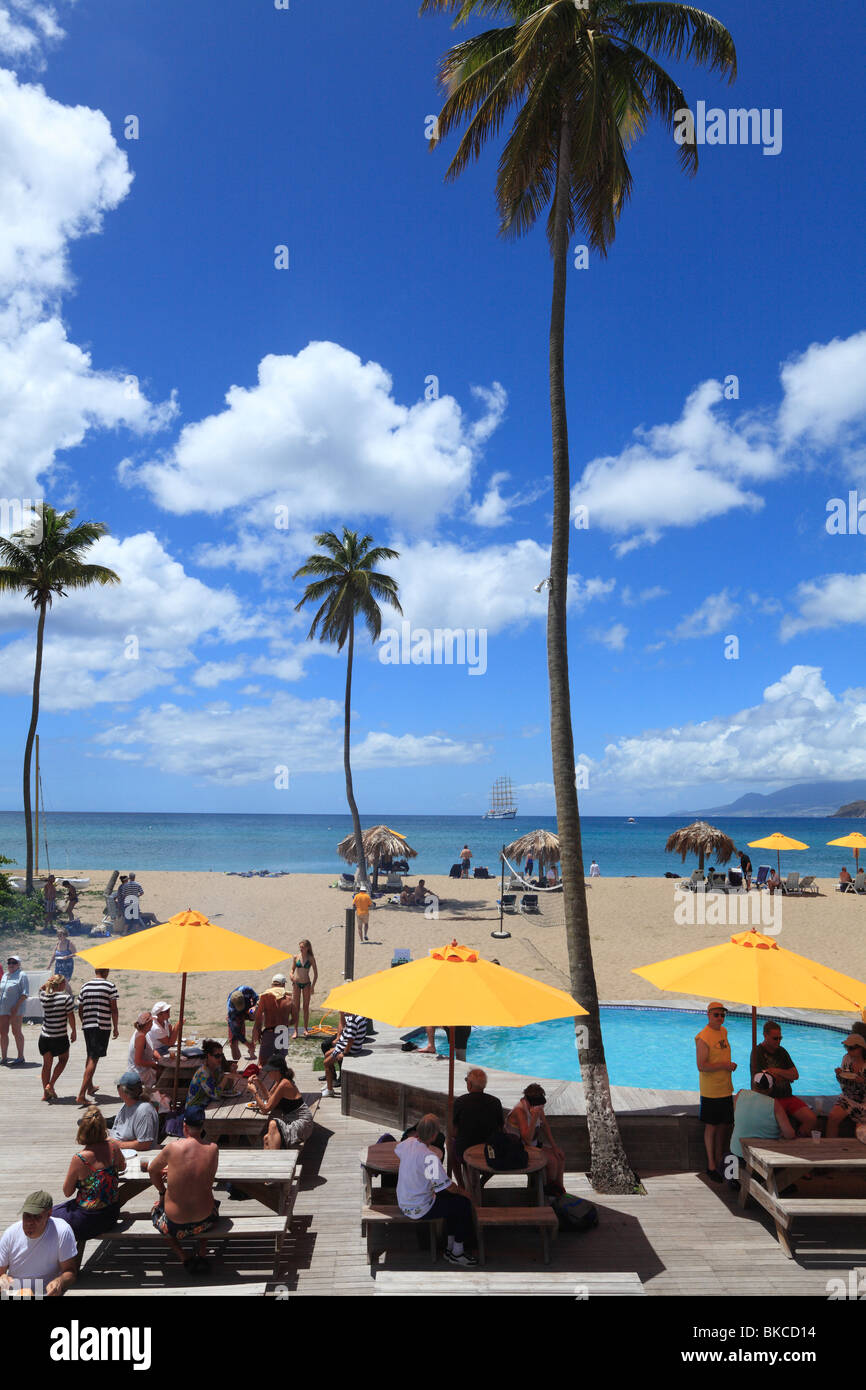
(28, 749)
(347, 764)
(611, 1171)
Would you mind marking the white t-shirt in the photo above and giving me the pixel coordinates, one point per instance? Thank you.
(37, 1259)
(421, 1176)
(159, 1035)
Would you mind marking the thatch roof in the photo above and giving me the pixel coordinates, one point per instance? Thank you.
(543, 845)
(379, 841)
(701, 839)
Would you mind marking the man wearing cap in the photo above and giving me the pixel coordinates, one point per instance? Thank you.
(183, 1174)
(162, 1035)
(241, 1005)
(136, 1124)
(38, 1253)
(272, 1020)
(14, 988)
(715, 1068)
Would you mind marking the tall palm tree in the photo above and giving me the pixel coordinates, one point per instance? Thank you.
(581, 86)
(45, 570)
(347, 586)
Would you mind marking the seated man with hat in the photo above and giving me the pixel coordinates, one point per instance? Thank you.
(136, 1124)
(38, 1254)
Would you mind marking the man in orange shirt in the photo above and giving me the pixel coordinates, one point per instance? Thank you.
(362, 902)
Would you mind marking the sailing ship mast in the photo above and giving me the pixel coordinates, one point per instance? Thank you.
(502, 803)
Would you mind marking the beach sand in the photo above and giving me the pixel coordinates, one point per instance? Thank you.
(632, 923)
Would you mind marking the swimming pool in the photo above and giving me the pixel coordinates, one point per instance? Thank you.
(651, 1048)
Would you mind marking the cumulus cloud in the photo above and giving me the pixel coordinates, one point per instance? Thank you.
(231, 746)
(794, 734)
(60, 172)
(825, 392)
(613, 637)
(317, 428)
(117, 643)
(212, 673)
(828, 601)
(443, 584)
(495, 509)
(26, 27)
(677, 474)
(714, 614)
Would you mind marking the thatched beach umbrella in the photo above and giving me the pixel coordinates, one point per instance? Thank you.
(380, 841)
(700, 839)
(543, 845)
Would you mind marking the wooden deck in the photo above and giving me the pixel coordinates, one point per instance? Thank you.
(685, 1237)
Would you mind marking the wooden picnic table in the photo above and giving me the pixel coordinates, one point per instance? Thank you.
(268, 1175)
(781, 1162)
(475, 1164)
(377, 1158)
(233, 1118)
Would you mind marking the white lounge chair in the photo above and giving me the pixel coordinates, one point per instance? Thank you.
(809, 885)
(791, 885)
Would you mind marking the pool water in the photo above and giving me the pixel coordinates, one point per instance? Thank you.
(651, 1048)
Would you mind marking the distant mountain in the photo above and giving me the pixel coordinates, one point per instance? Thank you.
(803, 799)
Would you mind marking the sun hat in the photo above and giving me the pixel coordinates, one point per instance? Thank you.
(12, 956)
(35, 1203)
(160, 1007)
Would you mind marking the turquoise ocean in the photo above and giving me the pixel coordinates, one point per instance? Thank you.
(307, 843)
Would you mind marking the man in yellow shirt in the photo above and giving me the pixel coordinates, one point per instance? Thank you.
(715, 1069)
(362, 902)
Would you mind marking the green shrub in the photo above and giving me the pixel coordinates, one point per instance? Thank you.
(18, 913)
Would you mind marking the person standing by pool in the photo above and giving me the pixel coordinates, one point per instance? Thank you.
(771, 1058)
(14, 989)
(305, 973)
(715, 1068)
(63, 960)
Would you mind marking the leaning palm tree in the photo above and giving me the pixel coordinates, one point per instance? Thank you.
(581, 86)
(44, 570)
(347, 586)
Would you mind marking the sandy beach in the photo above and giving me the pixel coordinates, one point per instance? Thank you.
(632, 923)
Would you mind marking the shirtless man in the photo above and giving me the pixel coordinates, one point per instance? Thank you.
(272, 1021)
(183, 1174)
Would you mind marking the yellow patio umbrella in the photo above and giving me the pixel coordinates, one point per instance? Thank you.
(778, 842)
(186, 944)
(452, 987)
(754, 969)
(854, 841)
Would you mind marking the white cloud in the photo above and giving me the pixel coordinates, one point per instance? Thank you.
(234, 746)
(645, 595)
(535, 791)
(114, 644)
(825, 392)
(495, 509)
(795, 734)
(26, 26)
(443, 584)
(212, 673)
(714, 614)
(60, 172)
(317, 428)
(828, 601)
(677, 474)
(613, 637)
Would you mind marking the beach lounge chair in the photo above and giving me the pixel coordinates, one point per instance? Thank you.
(513, 881)
(508, 902)
(394, 883)
(529, 903)
(791, 885)
(761, 876)
(717, 883)
(859, 887)
(809, 885)
(735, 880)
(480, 872)
(347, 882)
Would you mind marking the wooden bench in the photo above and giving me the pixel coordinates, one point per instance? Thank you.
(543, 1218)
(373, 1216)
(464, 1283)
(226, 1228)
(786, 1210)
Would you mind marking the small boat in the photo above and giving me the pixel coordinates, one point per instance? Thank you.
(631, 821)
(502, 803)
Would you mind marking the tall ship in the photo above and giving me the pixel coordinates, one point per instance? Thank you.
(502, 803)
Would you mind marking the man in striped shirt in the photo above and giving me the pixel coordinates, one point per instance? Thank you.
(97, 1009)
(353, 1031)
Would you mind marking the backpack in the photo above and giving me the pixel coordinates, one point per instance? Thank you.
(574, 1214)
(504, 1153)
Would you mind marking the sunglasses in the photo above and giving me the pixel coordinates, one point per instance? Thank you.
(853, 1048)
(718, 1013)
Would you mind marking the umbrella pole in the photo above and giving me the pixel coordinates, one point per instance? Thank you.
(449, 1126)
(754, 1028)
(179, 1042)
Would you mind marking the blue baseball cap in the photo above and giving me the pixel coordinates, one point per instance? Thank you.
(193, 1116)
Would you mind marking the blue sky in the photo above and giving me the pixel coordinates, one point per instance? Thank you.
(157, 372)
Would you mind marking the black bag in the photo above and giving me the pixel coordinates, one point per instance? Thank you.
(574, 1214)
(505, 1153)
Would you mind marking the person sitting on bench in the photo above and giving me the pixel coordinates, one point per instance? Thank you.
(183, 1174)
(426, 1193)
